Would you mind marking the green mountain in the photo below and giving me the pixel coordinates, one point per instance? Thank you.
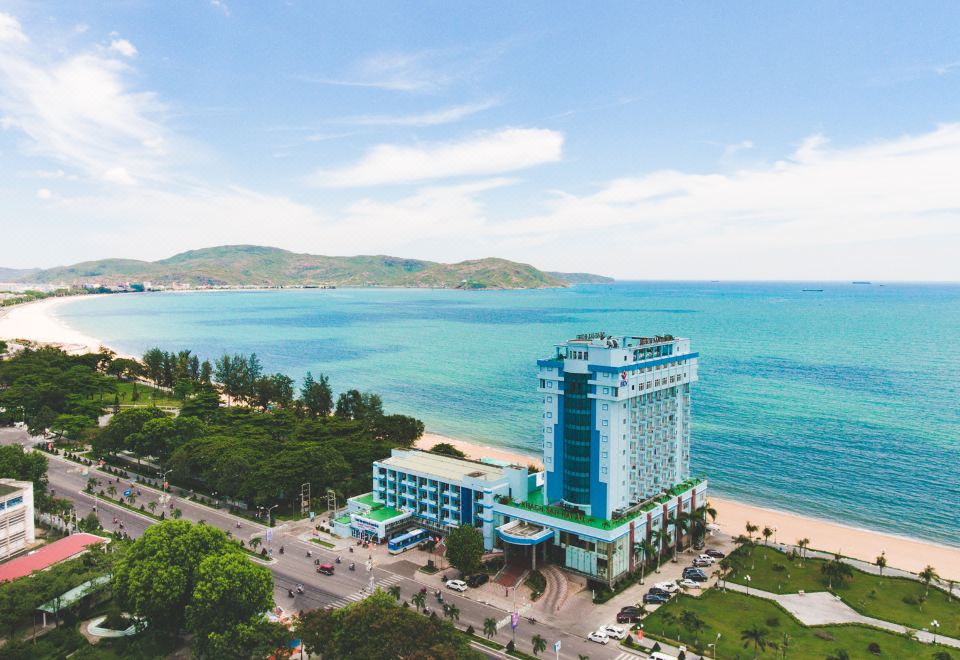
(251, 265)
(581, 278)
(14, 274)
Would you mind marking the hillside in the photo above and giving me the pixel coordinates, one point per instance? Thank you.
(14, 274)
(250, 265)
(581, 278)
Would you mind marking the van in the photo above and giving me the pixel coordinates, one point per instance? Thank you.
(657, 655)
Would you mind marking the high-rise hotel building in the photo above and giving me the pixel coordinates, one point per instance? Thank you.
(616, 420)
(616, 479)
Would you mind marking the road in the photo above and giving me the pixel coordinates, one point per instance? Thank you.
(67, 479)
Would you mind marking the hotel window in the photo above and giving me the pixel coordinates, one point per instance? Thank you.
(604, 438)
(603, 454)
(604, 406)
(550, 385)
(606, 390)
(605, 423)
(549, 414)
(543, 383)
(549, 445)
(603, 470)
(550, 398)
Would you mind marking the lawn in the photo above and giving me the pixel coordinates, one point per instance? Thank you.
(895, 599)
(729, 613)
(148, 396)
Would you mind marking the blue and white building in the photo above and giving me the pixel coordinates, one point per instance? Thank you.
(616, 454)
(16, 517)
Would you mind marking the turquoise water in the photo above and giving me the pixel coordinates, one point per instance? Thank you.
(841, 404)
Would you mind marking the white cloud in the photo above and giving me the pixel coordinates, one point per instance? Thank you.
(434, 118)
(119, 175)
(10, 30)
(44, 193)
(221, 5)
(506, 150)
(123, 47)
(79, 110)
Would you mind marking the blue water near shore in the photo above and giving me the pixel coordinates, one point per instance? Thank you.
(842, 404)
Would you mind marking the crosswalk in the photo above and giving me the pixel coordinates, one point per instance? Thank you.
(360, 594)
(626, 656)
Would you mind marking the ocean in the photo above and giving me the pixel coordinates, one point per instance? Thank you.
(841, 404)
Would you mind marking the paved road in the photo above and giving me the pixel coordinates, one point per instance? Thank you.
(67, 479)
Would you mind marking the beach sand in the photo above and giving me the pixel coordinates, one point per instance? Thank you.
(36, 322)
(732, 516)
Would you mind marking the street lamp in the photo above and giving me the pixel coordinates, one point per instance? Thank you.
(748, 579)
(164, 477)
(934, 624)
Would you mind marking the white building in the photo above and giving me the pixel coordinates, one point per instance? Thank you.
(16, 517)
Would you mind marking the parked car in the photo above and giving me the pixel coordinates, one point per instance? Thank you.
(687, 583)
(707, 558)
(669, 587)
(477, 580)
(457, 585)
(655, 599)
(598, 636)
(702, 563)
(692, 570)
(697, 577)
(716, 554)
(613, 632)
(659, 592)
(629, 614)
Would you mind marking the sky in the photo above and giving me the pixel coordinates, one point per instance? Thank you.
(641, 140)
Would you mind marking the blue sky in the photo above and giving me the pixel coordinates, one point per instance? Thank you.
(642, 140)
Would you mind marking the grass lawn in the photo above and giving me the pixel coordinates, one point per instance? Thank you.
(729, 613)
(895, 599)
(149, 396)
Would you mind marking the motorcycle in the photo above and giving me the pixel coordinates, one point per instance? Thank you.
(299, 588)
(351, 548)
(353, 567)
(290, 593)
(309, 553)
(339, 560)
(281, 549)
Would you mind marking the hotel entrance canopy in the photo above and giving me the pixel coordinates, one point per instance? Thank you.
(520, 532)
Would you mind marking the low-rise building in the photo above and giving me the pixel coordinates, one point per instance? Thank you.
(16, 517)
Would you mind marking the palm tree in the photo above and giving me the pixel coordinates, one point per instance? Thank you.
(756, 636)
(767, 533)
(881, 562)
(254, 542)
(452, 612)
(112, 491)
(177, 513)
(671, 521)
(419, 599)
(836, 570)
(648, 550)
(751, 529)
(583, 657)
(951, 584)
(152, 506)
(802, 544)
(668, 619)
(841, 654)
(394, 591)
(725, 565)
(693, 623)
(539, 644)
(681, 526)
(928, 575)
(489, 627)
(656, 538)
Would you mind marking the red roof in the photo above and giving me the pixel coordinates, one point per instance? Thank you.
(48, 555)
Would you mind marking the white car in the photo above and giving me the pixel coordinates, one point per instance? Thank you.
(669, 587)
(598, 636)
(707, 558)
(615, 632)
(689, 584)
(457, 585)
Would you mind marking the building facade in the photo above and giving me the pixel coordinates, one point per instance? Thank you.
(616, 488)
(16, 517)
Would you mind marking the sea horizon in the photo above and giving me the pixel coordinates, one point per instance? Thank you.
(825, 438)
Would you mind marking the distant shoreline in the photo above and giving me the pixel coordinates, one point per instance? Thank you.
(36, 321)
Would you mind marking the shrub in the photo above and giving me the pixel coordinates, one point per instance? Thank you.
(773, 621)
(470, 630)
(824, 635)
(510, 647)
(874, 648)
(910, 600)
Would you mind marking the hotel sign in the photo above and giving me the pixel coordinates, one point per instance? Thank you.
(592, 335)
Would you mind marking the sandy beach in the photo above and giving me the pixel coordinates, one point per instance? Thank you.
(36, 321)
(732, 516)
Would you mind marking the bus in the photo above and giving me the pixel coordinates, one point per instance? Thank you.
(405, 541)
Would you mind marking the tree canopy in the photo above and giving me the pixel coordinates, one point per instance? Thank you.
(465, 548)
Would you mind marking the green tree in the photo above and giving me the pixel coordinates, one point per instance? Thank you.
(229, 591)
(756, 636)
(751, 529)
(881, 562)
(693, 623)
(539, 644)
(928, 575)
(767, 533)
(419, 600)
(317, 396)
(15, 463)
(394, 591)
(489, 627)
(446, 449)
(157, 575)
(451, 612)
(245, 641)
(836, 571)
(115, 436)
(465, 548)
(802, 544)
